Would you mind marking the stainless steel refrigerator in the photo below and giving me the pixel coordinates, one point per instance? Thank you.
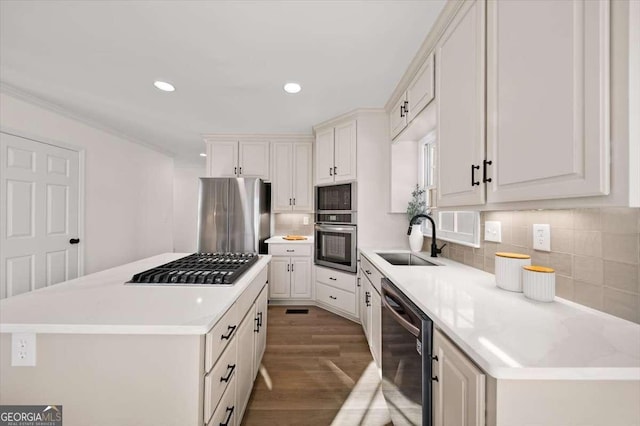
(234, 215)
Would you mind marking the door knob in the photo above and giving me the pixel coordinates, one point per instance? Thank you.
(74, 241)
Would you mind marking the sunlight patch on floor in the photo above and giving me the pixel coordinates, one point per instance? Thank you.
(365, 404)
(265, 375)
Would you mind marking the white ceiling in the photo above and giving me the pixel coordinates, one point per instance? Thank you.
(228, 61)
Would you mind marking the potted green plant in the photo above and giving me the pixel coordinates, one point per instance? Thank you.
(417, 205)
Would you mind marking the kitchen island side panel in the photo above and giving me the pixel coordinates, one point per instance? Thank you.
(110, 379)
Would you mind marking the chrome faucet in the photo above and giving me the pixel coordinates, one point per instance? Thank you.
(434, 247)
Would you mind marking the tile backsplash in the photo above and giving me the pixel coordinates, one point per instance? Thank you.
(292, 224)
(595, 252)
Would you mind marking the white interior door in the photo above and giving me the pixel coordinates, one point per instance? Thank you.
(39, 205)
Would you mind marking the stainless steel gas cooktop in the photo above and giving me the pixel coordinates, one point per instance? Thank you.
(198, 269)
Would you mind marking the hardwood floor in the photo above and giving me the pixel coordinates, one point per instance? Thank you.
(317, 370)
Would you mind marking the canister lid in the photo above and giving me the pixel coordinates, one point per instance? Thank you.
(544, 269)
(514, 255)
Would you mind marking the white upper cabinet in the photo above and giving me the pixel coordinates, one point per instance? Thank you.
(324, 156)
(336, 153)
(547, 99)
(420, 90)
(419, 93)
(222, 159)
(253, 159)
(238, 158)
(303, 177)
(460, 85)
(344, 168)
(292, 185)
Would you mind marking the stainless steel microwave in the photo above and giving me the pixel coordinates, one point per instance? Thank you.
(336, 203)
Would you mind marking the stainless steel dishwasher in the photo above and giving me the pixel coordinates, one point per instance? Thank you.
(407, 342)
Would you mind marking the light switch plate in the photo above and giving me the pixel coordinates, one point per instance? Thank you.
(23, 350)
(493, 231)
(305, 220)
(542, 237)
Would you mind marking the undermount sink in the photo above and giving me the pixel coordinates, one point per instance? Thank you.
(405, 259)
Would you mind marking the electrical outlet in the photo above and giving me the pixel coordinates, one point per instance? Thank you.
(305, 220)
(493, 231)
(23, 349)
(542, 237)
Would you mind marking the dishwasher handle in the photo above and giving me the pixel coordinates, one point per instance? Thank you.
(390, 295)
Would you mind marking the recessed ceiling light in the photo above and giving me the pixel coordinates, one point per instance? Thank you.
(202, 154)
(292, 88)
(164, 86)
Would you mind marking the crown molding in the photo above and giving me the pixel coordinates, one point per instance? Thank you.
(353, 114)
(28, 97)
(213, 137)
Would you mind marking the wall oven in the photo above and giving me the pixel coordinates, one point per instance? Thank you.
(336, 246)
(407, 346)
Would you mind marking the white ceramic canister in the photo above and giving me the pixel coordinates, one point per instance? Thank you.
(508, 270)
(539, 283)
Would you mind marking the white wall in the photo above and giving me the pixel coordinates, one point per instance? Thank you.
(377, 228)
(128, 187)
(185, 208)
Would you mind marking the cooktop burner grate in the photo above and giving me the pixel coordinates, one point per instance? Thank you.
(199, 268)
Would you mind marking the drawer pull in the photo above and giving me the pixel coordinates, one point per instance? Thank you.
(435, 379)
(333, 279)
(230, 368)
(333, 297)
(368, 272)
(230, 330)
(290, 251)
(229, 414)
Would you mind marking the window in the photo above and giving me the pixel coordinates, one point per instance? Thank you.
(426, 167)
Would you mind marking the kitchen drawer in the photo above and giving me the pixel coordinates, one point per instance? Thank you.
(218, 379)
(340, 299)
(342, 280)
(220, 336)
(290, 249)
(370, 271)
(250, 294)
(226, 412)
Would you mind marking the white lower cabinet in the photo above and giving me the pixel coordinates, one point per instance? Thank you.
(459, 390)
(337, 290)
(376, 327)
(244, 377)
(290, 276)
(233, 360)
(372, 313)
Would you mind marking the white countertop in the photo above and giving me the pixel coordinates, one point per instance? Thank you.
(278, 239)
(101, 303)
(512, 337)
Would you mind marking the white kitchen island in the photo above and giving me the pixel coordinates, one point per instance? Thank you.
(111, 353)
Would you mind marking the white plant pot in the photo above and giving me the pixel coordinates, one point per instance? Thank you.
(416, 238)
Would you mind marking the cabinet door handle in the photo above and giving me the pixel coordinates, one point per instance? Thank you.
(435, 379)
(333, 297)
(229, 414)
(358, 282)
(333, 279)
(235, 170)
(257, 321)
(289, 201)
(401, 111)
(335, 170)
(240, 170)
(330, 171)
(230, 330)
(294, 201)
(260, 319)
(292, 267)
(230, 370)
(473, 175)
(406, 107)
(288, 268)
(367, 297)
(484, 171)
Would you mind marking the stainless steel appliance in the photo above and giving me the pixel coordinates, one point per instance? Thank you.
(335, 246)
(336, 203)
(407, 345)
(234, 215)
(199, 269)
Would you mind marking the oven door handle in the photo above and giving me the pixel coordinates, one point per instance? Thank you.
(335, 228)
(408, 326)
